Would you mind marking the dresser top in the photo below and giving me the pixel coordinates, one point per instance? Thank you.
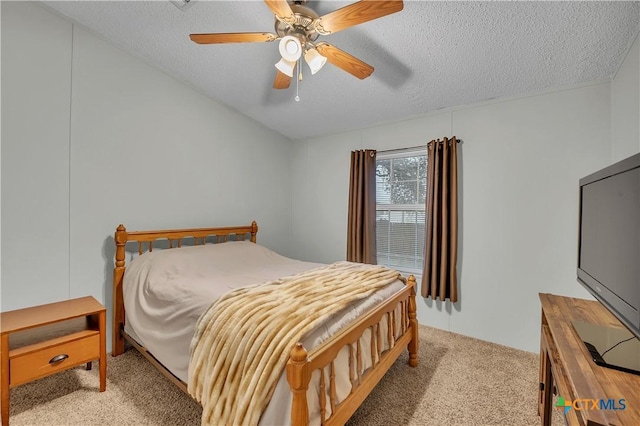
(586, 379)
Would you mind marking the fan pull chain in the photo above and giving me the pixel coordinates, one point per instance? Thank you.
(300, 69)
(298, 80)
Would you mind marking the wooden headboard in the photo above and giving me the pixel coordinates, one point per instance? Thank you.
(145, 240)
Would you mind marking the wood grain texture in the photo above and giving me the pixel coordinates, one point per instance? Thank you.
(362, 384)
(73, 329)
(219, 38)
(357, 13)
(577, 377)
(281, 9)
(34, 365)
(102, 325)
(345, 61)
(23, 319)
(282, 81)
(4, 378)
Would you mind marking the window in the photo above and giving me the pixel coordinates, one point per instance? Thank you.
(401, 186)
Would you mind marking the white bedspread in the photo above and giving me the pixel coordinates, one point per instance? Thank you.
(166, 291)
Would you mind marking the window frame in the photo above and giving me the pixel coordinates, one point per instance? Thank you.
(415, 207)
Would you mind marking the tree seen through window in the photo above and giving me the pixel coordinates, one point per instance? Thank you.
(400, 210)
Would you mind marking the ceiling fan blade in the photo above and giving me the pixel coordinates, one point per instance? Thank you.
(282, 10)
(217, 38)
(282, 80)
(356, 13)
(345, 61)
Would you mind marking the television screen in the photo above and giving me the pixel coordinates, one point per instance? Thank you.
(609, 239)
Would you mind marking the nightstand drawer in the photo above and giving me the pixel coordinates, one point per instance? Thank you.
(30, 363)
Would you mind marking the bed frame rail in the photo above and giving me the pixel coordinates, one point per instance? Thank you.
(301, 364)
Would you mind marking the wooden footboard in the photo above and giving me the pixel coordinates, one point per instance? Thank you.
(398, 312)
(301, 364)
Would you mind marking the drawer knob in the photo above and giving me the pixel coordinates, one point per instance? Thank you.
(58, 358)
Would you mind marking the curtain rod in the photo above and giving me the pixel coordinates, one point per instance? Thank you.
(411, 148)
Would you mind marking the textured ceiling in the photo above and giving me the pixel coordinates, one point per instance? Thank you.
(431, 55)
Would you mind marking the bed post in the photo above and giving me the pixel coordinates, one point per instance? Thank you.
(298, 376)
(120, 238)
(254, 231)
(413, 323)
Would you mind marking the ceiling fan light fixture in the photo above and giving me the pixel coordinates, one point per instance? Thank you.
(297, 27)
(315, 60)
(290, 48)
(286, 67)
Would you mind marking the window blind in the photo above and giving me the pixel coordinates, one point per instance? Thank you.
(400, 209)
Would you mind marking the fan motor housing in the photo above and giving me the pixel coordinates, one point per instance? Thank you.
(302, 27)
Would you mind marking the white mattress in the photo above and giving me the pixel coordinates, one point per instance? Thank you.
(166, 291)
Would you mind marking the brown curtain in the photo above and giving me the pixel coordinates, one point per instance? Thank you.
(439, 277)
(361, 229)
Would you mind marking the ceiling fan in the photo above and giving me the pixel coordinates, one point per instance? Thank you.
(298, 28)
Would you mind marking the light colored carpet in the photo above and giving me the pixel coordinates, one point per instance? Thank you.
(459, 381)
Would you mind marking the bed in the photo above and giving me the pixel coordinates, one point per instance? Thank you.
(328, 373)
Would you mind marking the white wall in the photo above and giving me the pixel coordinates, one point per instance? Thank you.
(520, 164)
(36, 69)
(93, 137)
(625, 106)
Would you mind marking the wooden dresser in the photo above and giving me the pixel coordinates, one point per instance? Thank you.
(565, 364)
(43, 340)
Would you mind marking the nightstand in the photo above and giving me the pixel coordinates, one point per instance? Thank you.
(43, 340)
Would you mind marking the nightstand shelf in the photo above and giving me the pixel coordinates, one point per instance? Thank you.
(43, 340)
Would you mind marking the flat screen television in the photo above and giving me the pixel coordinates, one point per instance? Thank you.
(609, 239)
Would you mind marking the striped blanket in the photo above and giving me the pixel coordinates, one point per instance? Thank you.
(242, 342)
